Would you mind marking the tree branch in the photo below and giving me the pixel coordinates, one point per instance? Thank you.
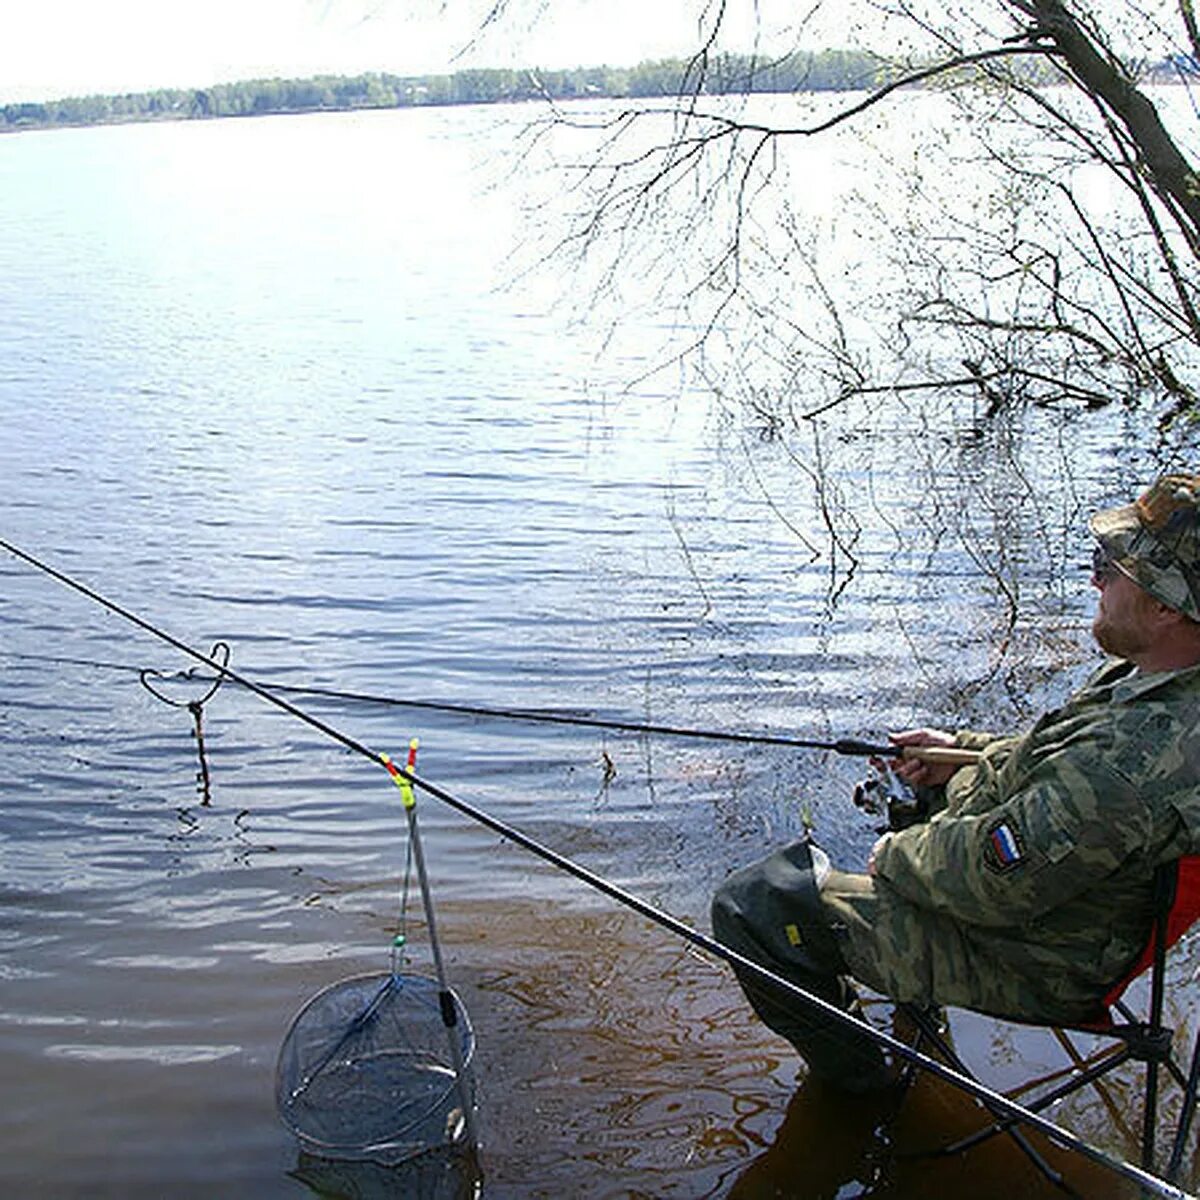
(1102, 76)
(907, 80)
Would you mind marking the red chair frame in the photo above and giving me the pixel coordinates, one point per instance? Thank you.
(1148, 1040)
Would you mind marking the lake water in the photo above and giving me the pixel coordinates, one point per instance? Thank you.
(259, 384)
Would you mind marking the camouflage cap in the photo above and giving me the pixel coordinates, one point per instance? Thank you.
(1156, 541)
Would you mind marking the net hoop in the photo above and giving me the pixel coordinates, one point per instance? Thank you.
(365, 1071)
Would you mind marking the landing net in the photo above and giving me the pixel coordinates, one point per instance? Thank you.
(366, 1072)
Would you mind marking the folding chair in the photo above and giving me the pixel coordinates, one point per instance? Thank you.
(1148, 1041)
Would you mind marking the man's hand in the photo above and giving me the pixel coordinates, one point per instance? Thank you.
(922, 774)
(874, 852)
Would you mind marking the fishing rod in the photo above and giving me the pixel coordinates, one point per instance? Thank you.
(996, 1102)
(853, 747)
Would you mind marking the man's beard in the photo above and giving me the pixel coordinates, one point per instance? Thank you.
(1122, 639)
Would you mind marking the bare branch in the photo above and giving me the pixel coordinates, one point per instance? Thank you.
(911, 79)
(1102, 76)
(1188, 13)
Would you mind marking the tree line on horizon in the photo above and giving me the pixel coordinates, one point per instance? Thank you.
(824, 70)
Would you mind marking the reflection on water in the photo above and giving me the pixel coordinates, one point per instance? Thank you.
(443, 1175)
(255, 383)
(830, 1145)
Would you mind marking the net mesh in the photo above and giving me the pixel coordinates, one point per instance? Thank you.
(366, 1072)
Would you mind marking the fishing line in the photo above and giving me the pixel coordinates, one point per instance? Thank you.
(996, 1102)
(62, 660)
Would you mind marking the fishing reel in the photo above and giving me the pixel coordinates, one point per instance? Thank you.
(885, 793)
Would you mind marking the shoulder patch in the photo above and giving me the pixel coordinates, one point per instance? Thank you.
(1003, 850)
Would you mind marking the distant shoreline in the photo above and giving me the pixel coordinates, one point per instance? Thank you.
(819, 71)
(826, 70)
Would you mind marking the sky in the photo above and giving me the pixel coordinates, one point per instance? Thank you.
(56, 48)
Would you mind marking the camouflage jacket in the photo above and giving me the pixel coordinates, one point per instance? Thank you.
(1029, 893)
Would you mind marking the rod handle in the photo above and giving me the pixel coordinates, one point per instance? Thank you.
(957, 756)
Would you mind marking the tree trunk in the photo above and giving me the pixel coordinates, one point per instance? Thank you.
(1102, 76)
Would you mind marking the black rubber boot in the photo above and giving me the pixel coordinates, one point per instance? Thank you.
(771, 913)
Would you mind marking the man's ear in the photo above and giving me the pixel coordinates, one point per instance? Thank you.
(1166, 615)
(1171, 620)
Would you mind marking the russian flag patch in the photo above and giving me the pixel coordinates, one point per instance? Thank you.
(1004, 851)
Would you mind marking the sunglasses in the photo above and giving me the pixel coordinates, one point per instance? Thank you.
(1103, 567)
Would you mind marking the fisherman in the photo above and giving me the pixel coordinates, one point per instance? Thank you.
(1028, 892)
